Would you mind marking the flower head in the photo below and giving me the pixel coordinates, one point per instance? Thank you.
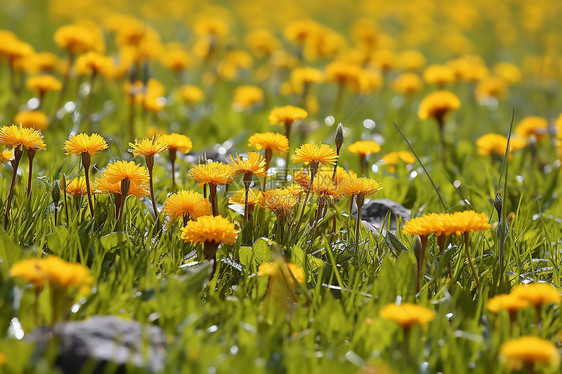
(147, 147)
(239, 197)
(407, 314)
(6, 155)
(407, 83)
(76, 187)
(529, 350)
(79, 38)
(509, 302)
(120, 170)
(439, 75)
(94, 63)
(43, 83)
(281, 202)
(83, 143)
(177, 142)
(102, 185)
(537, 293)
(187, 205)
(30, 271)
(313, 153)
(281, 270)
(247, 96)
(21, 137)
(364, 147)
(277, 143)
(425, 225)
(212, 229)
(212, 173)
(532, 126)
(497, 144)
(254, 165)
(358, 186)
(436, 105)
(464, 222)
(392, 158)
(192, 94)
(34, 119)
(286, 115)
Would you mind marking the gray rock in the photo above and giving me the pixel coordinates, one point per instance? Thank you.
(375, 214)
(105, 340)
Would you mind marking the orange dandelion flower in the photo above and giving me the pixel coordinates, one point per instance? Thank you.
(102, 185)
(315, 154)
(358, 186)
(407, 314)
(529, 350)
(177, 142)
(121, 170)
(431, 223)
(286, 115)
(30, 271)
(213, 229)
(364, 147)
(76, 187)
(21, 137)
(277, 143)
(464, 222)
(254, 197)
(35, 119)
(188, 205)
(254, 165)
(83, 143)
(281, 202)
(212, 173)
(147, 147)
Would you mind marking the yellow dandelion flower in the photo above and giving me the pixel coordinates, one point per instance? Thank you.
(464, 222)
(277, 143)
(358, 186)
(425, 225)
(262, 42)
(121, 170)
(83, 143)
(176, 60)
(407, 83)
(254, 165)
(211, 27)
(177, 142)
(21, 137)
(247, 96)
(30, 271)
(341, 174)
(439, 75)
(102, 185)
(510, 302)
(76, 187)
(436, 105)
(254, 197)
(66, 274)
(325, 187)
(281, 270)
(78, 38)
(393, 158)
(188, 205)
(538, 293)
(213, 229)
(342, 72)
(212, 173)
(147, 147)
(192, 94)
(94, 63)
(314, 153)
(529, 350)
(6, 155)
(35, 119)
(281, 202)
(532, 126)
(407, 314)
(302, 178)
(489, 144)
(490, 87)
(43, 83)
(295, 189)
(508, 72)
(364, 147)
(286, 115)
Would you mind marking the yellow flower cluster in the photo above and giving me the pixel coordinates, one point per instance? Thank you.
(447, 224)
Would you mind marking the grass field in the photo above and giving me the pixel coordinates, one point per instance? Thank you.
(469, 91)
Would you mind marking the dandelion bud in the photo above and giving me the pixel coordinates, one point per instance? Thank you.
(418, 247)
(55, 193)
(339, 136)
(498, 204)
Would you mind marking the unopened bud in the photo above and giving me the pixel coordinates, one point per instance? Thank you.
(498, 201)
(55, 193)
(339, 136)
(418, 247)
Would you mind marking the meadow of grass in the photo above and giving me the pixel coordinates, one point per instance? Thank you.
(181, 68)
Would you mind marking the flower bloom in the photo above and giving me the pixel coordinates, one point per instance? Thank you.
(212, 173)
(6, 155)
(278, 143)
(407, 314)
(120, 170)
(76, 187)
(247, 96)
(392, 158)
(538, 293)
(192, 94)
(43, 83)
(186, 205)
(21, 137)
(177, 142)
(511, 303)
(529, 350)
(358, 186)
(102, 185)
(281, 270)
(407, 83)
(313, 153)
(83, 143)
(437, 104)
(147, 147)
(532, 126)
(286, 115)
(239, 197)
(281, 202)
(35, 119)
(210, 229)
(489, 144)
(447, 224)
(255, 165)
(364, 147)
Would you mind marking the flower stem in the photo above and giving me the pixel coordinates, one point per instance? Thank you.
(478, 284)
(359, 199)
(30, 156)
(423, 239)
(268, 155)
(213, 198)
(150, 166)
(247, 182)
(125, 184)
(86, 162)
(15, 162)
(173, 155)
(313, 170)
